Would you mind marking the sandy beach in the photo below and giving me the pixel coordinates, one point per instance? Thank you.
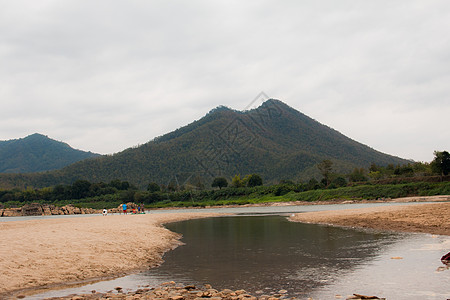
(431, 218)
(48, 252)
(40, 253)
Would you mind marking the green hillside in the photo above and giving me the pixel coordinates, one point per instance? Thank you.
(274, 140)
(37, 153)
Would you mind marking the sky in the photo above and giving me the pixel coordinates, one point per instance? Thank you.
(107, 75)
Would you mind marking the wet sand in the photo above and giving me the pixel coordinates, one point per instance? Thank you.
(40, 253)
(431, 218)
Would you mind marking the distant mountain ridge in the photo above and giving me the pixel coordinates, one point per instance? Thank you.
(37, 153)
(273, 140)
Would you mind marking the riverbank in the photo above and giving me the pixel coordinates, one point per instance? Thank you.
(425, 218)
(173, 291)
(45, 253)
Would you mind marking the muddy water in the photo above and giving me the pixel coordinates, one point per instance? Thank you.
(265, 254)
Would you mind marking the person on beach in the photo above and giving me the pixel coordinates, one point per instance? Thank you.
(124, 208)
(105, 212)
(142, 208)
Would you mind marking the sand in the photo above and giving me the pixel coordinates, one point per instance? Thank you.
(45, 252)
(48, 252)
(431, 218)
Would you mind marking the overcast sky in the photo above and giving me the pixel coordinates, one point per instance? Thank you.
(107, 75)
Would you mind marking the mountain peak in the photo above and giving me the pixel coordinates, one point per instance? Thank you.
(37, 152)
(273, 140)
(219, 108)
(36, 134)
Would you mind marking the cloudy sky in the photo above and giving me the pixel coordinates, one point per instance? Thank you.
(107, 75)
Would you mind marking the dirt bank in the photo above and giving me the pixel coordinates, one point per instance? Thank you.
(44, 252)
(427, 218)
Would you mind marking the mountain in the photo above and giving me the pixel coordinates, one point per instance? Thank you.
(36, 153)
(273, 140)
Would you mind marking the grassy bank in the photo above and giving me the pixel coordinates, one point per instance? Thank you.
(345, 193)
(254, 195)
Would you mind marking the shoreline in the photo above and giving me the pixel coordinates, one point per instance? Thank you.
(431, 218)
(38, 255)
(438, 198)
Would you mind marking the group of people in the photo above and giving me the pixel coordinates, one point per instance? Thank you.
(140, 209)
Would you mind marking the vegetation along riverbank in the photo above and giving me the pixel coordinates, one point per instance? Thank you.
(375, 182)
(284, 192)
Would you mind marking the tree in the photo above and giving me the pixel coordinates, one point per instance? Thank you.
(254, 180)
(120, 185)
(357, 175)
(441, 163)
(237, 181)
(219, 182)
(80, 189)
(153, 187)
(197, 182)
(312, 184)
(339, 182)
(325, 168)
(172, 187)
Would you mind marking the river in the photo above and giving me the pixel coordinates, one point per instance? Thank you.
(262, 252)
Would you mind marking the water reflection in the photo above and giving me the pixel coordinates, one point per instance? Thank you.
(266, 253)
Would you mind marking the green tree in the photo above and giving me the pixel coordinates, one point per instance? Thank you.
(197, 182)
(172, 186)
(237, 181)
(375, 175)
(374, 168)
(153, 187)
(357, 175)
(80, 189)
(254, 180)
(219, 182)
(441, 163)
(325, 167)
(312, 184)
(339, 182)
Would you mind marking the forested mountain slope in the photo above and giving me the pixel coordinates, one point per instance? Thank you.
(36, 153)
(273, 140)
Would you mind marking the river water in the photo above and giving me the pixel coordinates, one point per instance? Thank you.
(266, 253)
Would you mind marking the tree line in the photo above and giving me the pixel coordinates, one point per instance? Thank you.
(117, 191)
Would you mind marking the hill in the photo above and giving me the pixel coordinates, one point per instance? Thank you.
(273, 140)
(37, 153)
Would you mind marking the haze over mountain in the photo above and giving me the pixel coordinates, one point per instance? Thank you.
(37, 153)
(273, 140)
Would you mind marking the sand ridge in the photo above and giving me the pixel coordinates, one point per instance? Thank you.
(431, 218)
(36, 253)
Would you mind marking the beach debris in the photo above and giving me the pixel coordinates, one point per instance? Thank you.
(396, 257)
(172, 291)
(444, 268)
(359, 296)
(190, 287)
(446, 259)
